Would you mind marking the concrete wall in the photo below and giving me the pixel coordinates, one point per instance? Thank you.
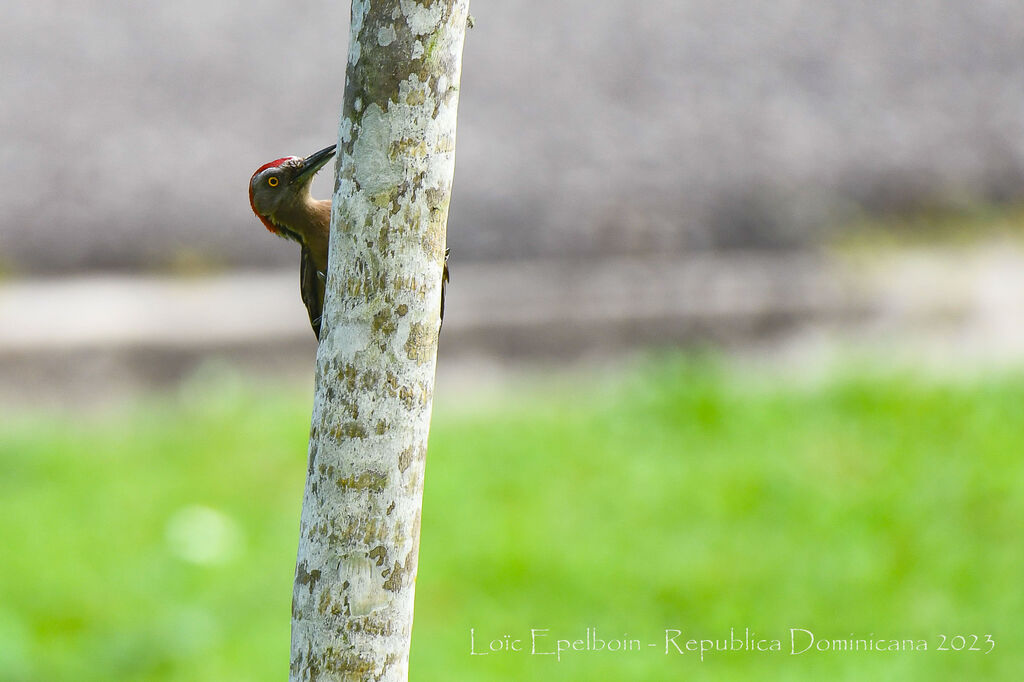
(131, 129)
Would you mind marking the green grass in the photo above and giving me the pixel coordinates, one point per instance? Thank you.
(158, 542)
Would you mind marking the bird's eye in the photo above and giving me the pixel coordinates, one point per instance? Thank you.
(272, 182)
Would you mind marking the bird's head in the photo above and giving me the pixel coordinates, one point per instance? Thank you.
(279, 186)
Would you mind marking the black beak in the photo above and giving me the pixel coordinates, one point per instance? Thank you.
(314, 162)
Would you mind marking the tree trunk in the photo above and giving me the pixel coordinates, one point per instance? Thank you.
(356, 569)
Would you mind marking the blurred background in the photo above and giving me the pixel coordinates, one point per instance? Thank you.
(734, 335)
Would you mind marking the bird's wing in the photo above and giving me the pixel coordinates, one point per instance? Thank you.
(444, 282)
(311, 287)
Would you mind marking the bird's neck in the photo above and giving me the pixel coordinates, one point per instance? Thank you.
(309, 222)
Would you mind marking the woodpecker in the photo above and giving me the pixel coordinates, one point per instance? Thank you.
(280, 198)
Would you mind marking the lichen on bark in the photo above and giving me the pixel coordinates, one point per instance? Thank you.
(359, 540)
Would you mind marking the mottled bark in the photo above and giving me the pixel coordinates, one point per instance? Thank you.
(356, 569)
